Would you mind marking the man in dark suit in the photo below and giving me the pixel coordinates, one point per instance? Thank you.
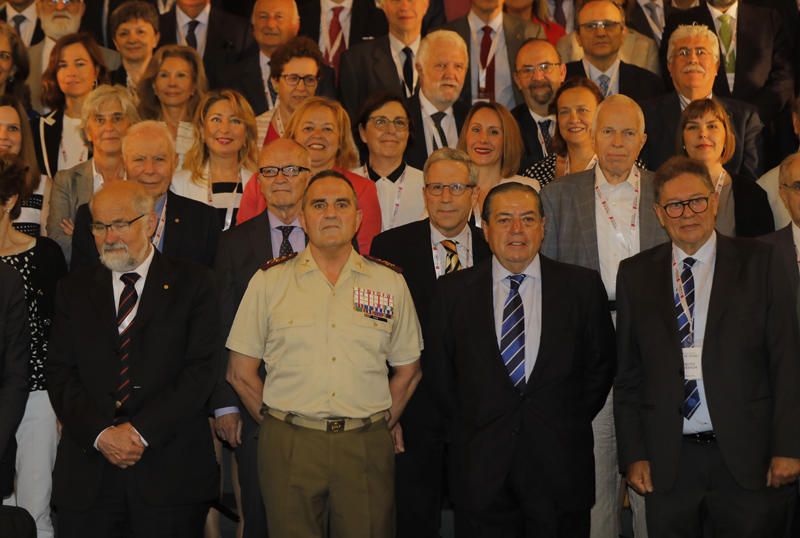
(186, 229)
(133, 357)
(601, 29)
(647, 17)
(717, 443)
(538, 74)
(21, 15)
(520, 355)
(692, 76)
(785, 239)
(426, 250)
(14, 358)
(242, 250)
(489, 73)
(220, 38)
(435, 111)
(386, 63)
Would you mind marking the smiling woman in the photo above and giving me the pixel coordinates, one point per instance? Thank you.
(14, 65)
(134, 26)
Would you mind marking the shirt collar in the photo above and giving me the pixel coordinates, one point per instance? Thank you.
(685, 100)
(462, 238)
(306, 263)
(533, 270)
(328, 5)
(397, 46)
(428, 108)
(393, 176)
(183, 19)
(160, 202)
(537, 118)
(643, 3)
(274, 221)
(592, 72)
(716, 13)
(477, 24)
(602, 182)
(29, 12)
(704, 254)
(141, 270)
(263, 60)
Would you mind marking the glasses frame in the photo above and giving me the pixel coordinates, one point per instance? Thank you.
(309, 81)
(119, 226)
(437, 189)
(282, 170)
(605, 24)
(385, 127)
(683, 204)
(544, 68)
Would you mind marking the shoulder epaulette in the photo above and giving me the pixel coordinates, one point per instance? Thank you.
(277, 261)
(390, 265)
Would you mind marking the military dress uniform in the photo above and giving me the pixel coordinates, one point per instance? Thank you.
(326, 394)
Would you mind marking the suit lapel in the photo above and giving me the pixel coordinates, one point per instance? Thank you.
(155, 294)
(384, 66)
(788, 253)
(663, 295)
(261, 239)
(358, 23)
(173, 227)
(652, 233)
(254, 84)
(551, 306)
(723, 289)
(168, 28)
(101, 296)
(584, 199)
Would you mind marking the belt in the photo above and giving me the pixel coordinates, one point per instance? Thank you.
(701, 438)
(612, 306)
(330, 425)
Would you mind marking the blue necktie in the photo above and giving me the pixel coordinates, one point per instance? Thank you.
(691, 394)
(604, 81)
(512, 335)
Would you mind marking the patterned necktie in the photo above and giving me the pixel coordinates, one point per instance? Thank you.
(726, 38)
(286, 246)
(17, 20)
(127, 301)
(655, 14)
(486, 44)
(512, 335)
(452, 264)
(334, 55)
(603, 82)
(191, 38)
(691, 394)
(544, 128)
(408, 71)
(437, 118)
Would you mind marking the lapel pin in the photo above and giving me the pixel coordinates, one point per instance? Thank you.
(177, 220)
(166, 286)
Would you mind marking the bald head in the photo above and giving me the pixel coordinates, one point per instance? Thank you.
(789, 190)
(538, 74)
(283, 173)
(618, 131)
(149, 155)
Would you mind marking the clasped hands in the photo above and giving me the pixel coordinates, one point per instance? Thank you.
(121, 445)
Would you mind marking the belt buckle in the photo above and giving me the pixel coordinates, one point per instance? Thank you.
(334, 426)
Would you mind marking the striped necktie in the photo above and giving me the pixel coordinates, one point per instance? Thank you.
(512, 335)
(127, 301)
(691, 394)
(453, 263)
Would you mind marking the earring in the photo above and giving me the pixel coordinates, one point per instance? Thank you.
(95, 84)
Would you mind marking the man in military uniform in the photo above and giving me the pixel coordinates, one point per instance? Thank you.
(326, 322)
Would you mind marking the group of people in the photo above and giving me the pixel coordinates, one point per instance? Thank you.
(399, 257)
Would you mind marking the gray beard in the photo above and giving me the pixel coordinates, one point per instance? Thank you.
(118, 257)
(58, 28)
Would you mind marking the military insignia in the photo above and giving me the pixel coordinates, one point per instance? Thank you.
(390, 265)
(272, 262)
(377, 305)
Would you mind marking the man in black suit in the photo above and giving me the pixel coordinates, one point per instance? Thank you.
(186, 229)
(220, 38)
(601, 29)
(435, 111)
(648, 17)
(716, 444)
(385, 63)
(538, 74)
(242, 250)
(520, 355)
(133, 357)
(785, 239)
(22, 16)
(426, 250)
(693, 61)
(14, 357)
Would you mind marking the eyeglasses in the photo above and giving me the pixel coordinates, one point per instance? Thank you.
(66, 3)
(594, 26)
(100, 229)
(794, 187)
(544, 68)
(675, 210)
(685, 52)
(382, 123)
(292, 79)
(456, 189)
(290, 170)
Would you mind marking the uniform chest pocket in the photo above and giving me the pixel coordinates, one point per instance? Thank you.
(289, 332)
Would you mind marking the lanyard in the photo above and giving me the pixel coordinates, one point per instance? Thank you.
(590, 164)
(160, 228)
(397, 196)
(233, 198)
(278, 121)
(635, 181)
(65, 162)
(328, 48)
(720, 182)
(437, 263)
(489, 59)
(682, 296)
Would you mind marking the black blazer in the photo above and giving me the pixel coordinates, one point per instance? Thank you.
(783, 242)
(550, 422)
(751, 210)
(366, 21)
(764, 55)
(417, 150)
(174, 364)
(14, 356)
(46, 140)
(636, 19)
(530, 135)
(637, 83)
(750, 366)
(38, 33)
(229, 38)
(662, 116)
(191, 232)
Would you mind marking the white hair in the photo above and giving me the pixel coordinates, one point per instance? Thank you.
(693, 30)
(447, 36)
(149, 125)
(619, 99)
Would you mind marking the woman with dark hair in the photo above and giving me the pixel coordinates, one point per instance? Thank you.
(75, 68)
(169, 91)
(383, 128)
(134, 28)
(16, 139)
(41, 264)
(705, 134)
(572, 146)
(14, 66)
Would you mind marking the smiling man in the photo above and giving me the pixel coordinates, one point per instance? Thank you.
(520, 357)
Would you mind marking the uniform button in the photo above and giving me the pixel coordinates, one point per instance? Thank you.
(291, 321)
(333, 359)
(333, 395)
(333, 325)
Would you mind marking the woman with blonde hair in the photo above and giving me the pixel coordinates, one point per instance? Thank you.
(222, 160)
(322, 126)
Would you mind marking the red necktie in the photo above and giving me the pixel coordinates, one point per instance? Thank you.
(486, 43)
(334, 52)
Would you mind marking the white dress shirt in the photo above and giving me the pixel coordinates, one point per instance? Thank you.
(685, 101)
(612, 73)
(796, 241)
(428, 127)
(97, 178)
(72, 150)
(503, 85)
(536, 119)
(201, 32)
(715, 14)
(703, 274)
(614, 245)
(325, 17)
(401, 200)
(463, 243)
(27, 27)
(530, 292)
(399, 57)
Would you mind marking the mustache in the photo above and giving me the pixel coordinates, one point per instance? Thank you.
(117, 245)
(694, 68)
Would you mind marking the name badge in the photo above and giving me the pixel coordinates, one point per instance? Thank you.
(377, 305)
(692, 363)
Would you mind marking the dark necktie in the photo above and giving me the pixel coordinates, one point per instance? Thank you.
(512, 335)
(559, 15)
(408, 71)
(17, 20)
(437, 118)
(691, 394)
(191, 38)
(544, 128)
(127, 301)
(453, 263)
(487, 92)
(334, 53)
(286, 246)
